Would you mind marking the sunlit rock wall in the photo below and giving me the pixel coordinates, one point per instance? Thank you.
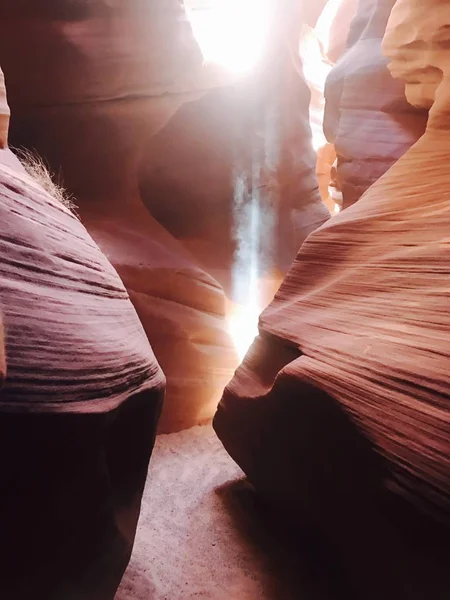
(191, 179)
(367, 117)
(236, 166)
(89, 83)
(351, 363)
(320, 47)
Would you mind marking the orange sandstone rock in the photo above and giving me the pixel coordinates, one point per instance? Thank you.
(118, 73)
(367, 117)
(339, 414)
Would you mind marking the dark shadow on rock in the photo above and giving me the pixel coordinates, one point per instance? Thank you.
(296, 563)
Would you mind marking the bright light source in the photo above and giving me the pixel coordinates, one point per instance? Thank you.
(316, 70)
(318, 137)
(243, 327)
(231, 33)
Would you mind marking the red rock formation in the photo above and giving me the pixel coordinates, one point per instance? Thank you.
(340, 412)
(333, 27)
(360, 327)
(4, 123)
(367, 117)
(320, 48)
(181, 307)
(2, 354)
(79, 405)
(416, 43)
(110, 112)
(118, 72)
(4, 114)
(253, 132)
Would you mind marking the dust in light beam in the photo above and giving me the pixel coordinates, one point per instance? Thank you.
(243, 327)
(233, 34)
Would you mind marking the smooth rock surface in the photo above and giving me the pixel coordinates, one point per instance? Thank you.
(320, 48)
(367, 117)
(79, 404)
(220, 154)
(243, 145)
(4, 113)
(341, 407)
(416, 44)
(119, 72)
(181, 308)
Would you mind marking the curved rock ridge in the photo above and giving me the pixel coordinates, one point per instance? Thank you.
(367, 117)
(52, 269)
(119, 72)
(80, 397)
(416, 44)
(181, 307)
(4, 113)
(240, 145)
(100, 50)
(87, 350)
(362, 316)
(365, 308)
(333, 27)
(220, 154)
(107, 115)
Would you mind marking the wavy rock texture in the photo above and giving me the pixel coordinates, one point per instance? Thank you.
(363, 316)
(416, 43)
(370, 130)
(4, 113)
(355, 348)
(123, 113)
(218, 154)
(4, 125)
(118, 73)
(242, 143)
(385, 323)
(52, 267)
(320, 48)
(79, 405)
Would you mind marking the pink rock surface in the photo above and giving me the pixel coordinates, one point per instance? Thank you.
(80, 397)
(243, 143)
(320, 48)
(254, 134)
(367, 116)
(119, 71)
(340, 412)
(100, 50)
(354, 347)
(4, 114)
(121, 113)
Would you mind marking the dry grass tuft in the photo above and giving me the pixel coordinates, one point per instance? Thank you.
(36, 168)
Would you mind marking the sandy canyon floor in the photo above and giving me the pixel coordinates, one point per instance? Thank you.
(202, 533)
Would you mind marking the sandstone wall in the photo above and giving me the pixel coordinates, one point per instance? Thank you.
(367, 116)
(339, 413)
(154, 146)
(88, 84)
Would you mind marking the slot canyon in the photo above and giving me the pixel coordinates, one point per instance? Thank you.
(224, 299)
